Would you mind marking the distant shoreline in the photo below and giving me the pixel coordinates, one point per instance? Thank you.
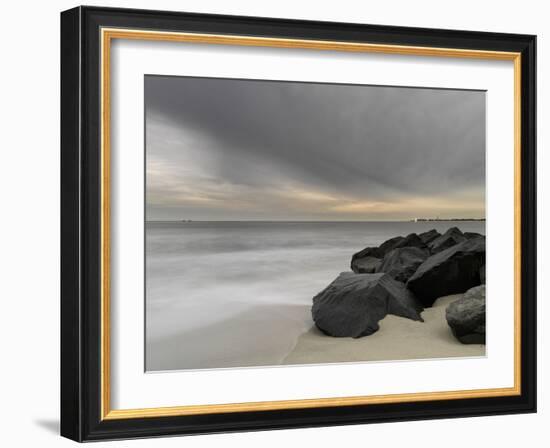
(446, 219)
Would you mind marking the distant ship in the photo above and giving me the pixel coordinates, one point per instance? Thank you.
(186, 220)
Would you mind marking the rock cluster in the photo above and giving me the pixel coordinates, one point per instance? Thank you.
(401, 277)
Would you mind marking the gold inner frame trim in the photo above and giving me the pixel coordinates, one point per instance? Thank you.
(107, 35)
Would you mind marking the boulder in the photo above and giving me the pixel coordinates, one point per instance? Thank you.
(367, 252)
(470, 235)
(353, 304)
(374, 252)
(482, 274)
(429, 236)
(411, 240)
(402, 262)
(359, 266)
(451, 271)
(365, 265)
(390, 244)
(450, 238)
(466, 316)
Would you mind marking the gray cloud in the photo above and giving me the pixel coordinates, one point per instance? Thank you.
(242, 149)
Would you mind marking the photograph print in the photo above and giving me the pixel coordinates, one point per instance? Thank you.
(299, 223)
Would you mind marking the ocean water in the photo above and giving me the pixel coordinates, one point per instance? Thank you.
(235, 294)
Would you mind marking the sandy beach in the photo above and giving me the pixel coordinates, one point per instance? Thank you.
(397, 339)
(279, 335)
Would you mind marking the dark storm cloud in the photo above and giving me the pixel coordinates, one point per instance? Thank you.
(364, 144)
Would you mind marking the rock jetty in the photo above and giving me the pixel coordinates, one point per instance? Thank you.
(402, 276)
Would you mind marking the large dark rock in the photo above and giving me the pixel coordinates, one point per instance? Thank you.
(380, 251)
(470, 235)
(451, 271)
(402, 262)
(390, 244)
(466, 316)
(450, 238)
(429, 236)
(362, 262)
(411, 240)
(482, 274)
(365, 265)
(373, 252)
(353, 304)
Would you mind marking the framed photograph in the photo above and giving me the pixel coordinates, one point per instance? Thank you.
(276, 224)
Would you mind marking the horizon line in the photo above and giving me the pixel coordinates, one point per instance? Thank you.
(309, 220)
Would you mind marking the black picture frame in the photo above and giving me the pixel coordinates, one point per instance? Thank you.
(81, 224)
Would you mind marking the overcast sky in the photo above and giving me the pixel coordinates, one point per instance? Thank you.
(220, 149)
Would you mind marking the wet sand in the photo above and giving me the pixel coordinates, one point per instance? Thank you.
(261, 336)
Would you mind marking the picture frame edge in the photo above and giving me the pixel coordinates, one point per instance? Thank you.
(80, 240)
